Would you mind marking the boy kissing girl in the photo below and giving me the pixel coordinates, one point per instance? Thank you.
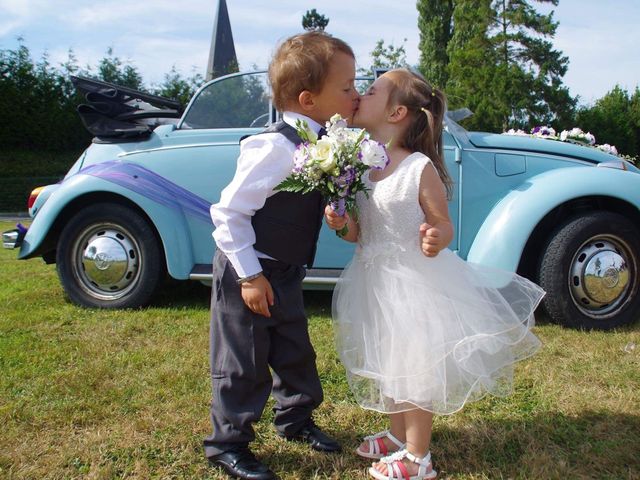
(259, 342)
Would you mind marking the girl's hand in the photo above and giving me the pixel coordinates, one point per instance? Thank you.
(335, 221)
(431, 240)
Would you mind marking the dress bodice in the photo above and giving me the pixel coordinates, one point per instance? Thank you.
(391, 215)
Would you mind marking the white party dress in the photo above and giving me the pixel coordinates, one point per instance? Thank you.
(427, 332)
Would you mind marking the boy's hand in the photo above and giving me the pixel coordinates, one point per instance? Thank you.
(335, 221)
(430, 240)
(258, 295)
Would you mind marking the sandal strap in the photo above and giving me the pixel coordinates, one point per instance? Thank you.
(376, 442)
(397, 442)
(396, 470)
(424, 461)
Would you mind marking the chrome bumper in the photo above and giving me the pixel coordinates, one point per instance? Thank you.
(13, 238)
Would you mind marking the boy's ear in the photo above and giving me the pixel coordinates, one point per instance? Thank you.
(306, 100)
(398, 113)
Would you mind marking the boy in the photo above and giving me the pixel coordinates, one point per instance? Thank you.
(264, 238)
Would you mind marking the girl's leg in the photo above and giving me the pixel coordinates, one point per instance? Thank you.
(418, 424)
(398, 428)
(418, 427)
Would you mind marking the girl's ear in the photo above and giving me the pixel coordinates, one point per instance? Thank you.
(398, 113)
(306, 100)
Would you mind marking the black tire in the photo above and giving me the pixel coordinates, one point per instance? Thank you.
(108, 257)
(589, 269)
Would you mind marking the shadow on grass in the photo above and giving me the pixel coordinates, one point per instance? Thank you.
(549, 445)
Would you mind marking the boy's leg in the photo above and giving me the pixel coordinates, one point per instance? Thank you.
(296, 385)
(241, 381)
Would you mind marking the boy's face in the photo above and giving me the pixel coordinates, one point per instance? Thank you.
(338, 94)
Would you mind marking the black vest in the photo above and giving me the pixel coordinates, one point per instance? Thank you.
(287, 227)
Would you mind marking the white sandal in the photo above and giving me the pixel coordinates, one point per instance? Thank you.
(396, 470)
(377, 447)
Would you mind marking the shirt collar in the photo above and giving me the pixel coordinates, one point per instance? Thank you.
(291, 117)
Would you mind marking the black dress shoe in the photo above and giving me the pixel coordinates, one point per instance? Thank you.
(240, 462)
(318, 440)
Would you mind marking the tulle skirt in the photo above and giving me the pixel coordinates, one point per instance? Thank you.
(432, 333)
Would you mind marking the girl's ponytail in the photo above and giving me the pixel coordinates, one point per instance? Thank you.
(427, 107)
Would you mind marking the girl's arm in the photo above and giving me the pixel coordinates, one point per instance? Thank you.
(437, 233)
(336, 222)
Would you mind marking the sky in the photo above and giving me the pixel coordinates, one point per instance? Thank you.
(600, 38)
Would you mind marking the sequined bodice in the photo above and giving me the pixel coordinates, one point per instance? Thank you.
(390, 217)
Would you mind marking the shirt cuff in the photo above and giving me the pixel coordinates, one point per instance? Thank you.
(245, 262)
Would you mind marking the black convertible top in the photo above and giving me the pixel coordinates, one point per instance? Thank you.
(114, 112)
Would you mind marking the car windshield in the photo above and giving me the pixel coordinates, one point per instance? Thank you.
(242, 101)
(238, 101)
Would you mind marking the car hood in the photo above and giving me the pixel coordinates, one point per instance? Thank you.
(539, 145)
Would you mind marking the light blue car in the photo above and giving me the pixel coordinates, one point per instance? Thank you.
(135, 206)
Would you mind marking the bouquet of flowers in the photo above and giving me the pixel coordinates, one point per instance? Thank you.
(334, 164)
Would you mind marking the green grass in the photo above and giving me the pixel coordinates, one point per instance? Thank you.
(125, 394)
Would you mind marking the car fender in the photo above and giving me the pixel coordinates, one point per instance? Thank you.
(167, 217)
(503, 235)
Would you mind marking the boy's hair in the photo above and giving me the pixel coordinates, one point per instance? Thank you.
(301, 63)
(426, 106)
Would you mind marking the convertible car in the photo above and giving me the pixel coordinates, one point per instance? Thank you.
(135, 206)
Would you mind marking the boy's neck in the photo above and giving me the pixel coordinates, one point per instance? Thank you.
(294, 113)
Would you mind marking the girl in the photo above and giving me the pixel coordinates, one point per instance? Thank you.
(419, 331)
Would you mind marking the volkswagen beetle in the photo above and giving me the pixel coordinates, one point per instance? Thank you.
(135, 206)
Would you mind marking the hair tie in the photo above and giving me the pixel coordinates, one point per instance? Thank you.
(424, 110)
(433, 93)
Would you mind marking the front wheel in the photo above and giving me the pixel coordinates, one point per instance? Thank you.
(108, 257)
(589, 270)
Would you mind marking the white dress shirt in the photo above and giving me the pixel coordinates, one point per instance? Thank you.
(265, 160)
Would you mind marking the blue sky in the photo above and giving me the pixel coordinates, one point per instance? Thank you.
(600, 38)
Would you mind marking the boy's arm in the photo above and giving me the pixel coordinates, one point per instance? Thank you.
(437, 232)
(264, 161)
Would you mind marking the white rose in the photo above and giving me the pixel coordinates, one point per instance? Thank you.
(323, 154)
(373, 154)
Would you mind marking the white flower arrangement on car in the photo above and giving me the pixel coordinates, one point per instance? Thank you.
(575, 135)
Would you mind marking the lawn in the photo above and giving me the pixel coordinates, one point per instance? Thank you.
(124, 394)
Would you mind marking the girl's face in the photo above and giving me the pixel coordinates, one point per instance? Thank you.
(373, 109)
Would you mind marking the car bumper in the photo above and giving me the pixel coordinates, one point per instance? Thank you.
(13, 238)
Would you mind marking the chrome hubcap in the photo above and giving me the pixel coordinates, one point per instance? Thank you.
(107, 261)
(599, 276)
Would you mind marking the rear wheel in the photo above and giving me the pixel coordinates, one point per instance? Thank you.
(108, 257)
(589, 270)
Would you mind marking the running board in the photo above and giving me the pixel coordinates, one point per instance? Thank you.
(316, 277)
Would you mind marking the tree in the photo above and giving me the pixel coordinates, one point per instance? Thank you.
(531, 70)
(178, 88)
(113, 70)
(614, 119)
(495, 57)
(313, 21)
(436, 28)
(386, 57)
(472, 69)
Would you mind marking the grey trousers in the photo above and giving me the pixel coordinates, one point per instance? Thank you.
(243, 347)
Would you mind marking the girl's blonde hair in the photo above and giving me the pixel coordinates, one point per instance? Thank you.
(426, 106)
